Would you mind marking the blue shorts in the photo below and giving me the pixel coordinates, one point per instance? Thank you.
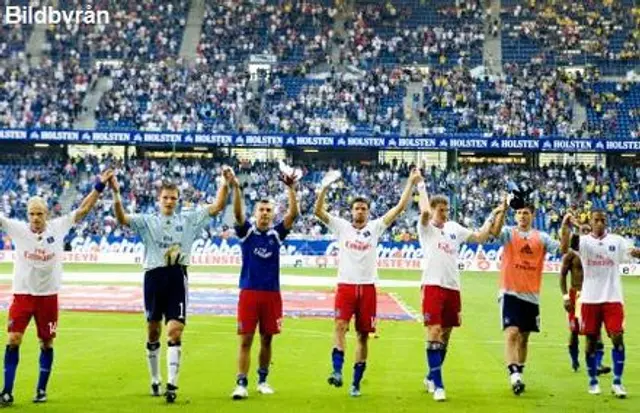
(165, 294)
(516, 312)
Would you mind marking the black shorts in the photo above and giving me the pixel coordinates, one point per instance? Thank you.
(166, 294)
(516, 312)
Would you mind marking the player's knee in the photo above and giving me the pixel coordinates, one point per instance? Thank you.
(617, 341)
(265, 340)
(341, 326)
(245, 341)
(174, 332)
(435, 333)
(15, 339)
(512, 334)
(46, 344)
(363, 337)
(153, 331)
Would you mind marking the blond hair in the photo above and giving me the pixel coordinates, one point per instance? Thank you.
(37, 201)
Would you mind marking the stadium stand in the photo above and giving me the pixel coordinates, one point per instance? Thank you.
(603, 34)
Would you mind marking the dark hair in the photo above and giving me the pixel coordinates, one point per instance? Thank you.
(437, 200)
(598, 211)
(362, 200)
(529, 206)
(264, 201)
(169, 186)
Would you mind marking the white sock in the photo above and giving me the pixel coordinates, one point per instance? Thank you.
(173, 363)
(153, 359)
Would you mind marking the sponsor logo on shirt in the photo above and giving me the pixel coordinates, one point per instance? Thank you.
(600, 261)
(612, 248)
(51, 240)
(179, 228)
(357, 245)
(262, 252)
(526, 250)
(39, 255)
(446, 247)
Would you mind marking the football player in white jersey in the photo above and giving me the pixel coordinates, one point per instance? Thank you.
(601, 254)
(357, 275)
(37, 273)
(440, 240)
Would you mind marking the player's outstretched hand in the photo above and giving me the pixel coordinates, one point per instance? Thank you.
(415, 176)
(229, 176)
(113, 184)
(502, 208)
(106, 176)
(569, 220)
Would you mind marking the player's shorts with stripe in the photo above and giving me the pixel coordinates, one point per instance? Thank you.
(43, 308)
(359, 300)
(441, 306)
(594, 315)
(520, 313)
(574, 315)
(259, 308)
(166, 294)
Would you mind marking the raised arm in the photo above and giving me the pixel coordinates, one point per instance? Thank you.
(223, 192)
(500, 215)
(565, 232)
(487, 230)
(90, 200)
(394, 212)
(566, 266)
(423, 203)
(319, 208)
(238, 213)
(118, 209)
(293, 211)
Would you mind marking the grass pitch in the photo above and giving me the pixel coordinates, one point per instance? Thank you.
(100, 361)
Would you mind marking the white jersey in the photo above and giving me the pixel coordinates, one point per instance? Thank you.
(440, 248)
(601, 259)
(357, 254)
(37, 269)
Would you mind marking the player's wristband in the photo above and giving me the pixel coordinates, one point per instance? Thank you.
(566, 297)
(100, 186)
(116, 197)
(421, 186)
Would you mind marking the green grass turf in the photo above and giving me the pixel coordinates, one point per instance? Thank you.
(100, 364)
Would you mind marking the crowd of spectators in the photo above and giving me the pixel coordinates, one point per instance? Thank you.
(413, 32)
(601, 32)
(530, 100)
(293, 32)
(473, 190)
(48, 95)
(144, 30)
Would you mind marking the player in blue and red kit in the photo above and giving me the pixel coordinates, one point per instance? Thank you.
(260, 302)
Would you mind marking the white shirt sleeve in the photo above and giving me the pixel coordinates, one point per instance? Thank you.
(626, 246)
(379, 226)
(10, 226)
(462, 233)
(136, 221)
(425, 231)
(64, 223)
(336, 224)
